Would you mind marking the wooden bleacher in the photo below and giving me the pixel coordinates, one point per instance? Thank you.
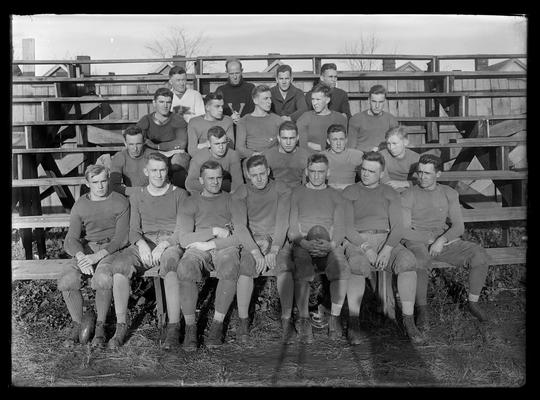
(449, 111)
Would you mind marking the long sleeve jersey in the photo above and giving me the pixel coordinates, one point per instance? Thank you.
(200, 214)
(313, 127)
(373, 208)
(367, 131)
(267, 209)
(235, 96)
(171, 133)
(399, 169)
(426, 213)
(287, 167)
(256, 133)
(155, 213)
(198, 129)
(310, 207)
(127, 172)
(339, 101)
(101, 220)
(190, 105)
(343, 166)
(230, 163)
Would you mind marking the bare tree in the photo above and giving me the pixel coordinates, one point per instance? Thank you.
(364, 45)
(177, 41)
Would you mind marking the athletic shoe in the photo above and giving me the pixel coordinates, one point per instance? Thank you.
(215, 335)
(474, 309)
(242, 333)
(305, 332)
(411, 329)
(119, 335)
(99, 335)
(190, 338)
(335, 331)
(73, 337)
(355, 334)
(172, 337)
(289, 333)
(422, 318)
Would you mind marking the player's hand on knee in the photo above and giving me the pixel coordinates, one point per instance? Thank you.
(437, 246)
(202, 246)
(271, 257)
(260, 262)
(158, 251)
(383, 257)
(145, 253)
(220, 232)
(371, 256)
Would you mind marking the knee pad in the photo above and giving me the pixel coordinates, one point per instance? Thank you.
(71, 280)
(102, 281)
(360, 265)
(405, 261)
(189, 269)
(479, 259)
(228, 267)
(122, 265)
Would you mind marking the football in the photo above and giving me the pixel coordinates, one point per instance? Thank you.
(318, 232)
(88, 324)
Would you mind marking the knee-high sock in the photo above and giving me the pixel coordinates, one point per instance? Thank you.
(285, 287)
(74, 303)
(172, 296)
(338, 291)
(422, 280)
(121, 297)
(406, 283)
(477, 279)
(356, 285)
(188, 297)
(244, 290)
(103, 303)
(225, 292)
(301, 295)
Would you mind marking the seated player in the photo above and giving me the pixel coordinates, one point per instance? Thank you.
(166, 132)
(103, 215)
(221, 153)
(287, 161)
(374, 229)
(287, 100)
(153, 216)
(258, 130)
(211, 227)
(342, 161)
(213, 116)
(427, 208)
(267, 203)
(401, 162)
(127, 165)
(186, 102)
(367, 128)
(313, 125)
(318, 206)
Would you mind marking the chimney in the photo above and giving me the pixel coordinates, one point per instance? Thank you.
(29, 53)
(388, 64)
(480, 64)
(271, 60)
(85, 68)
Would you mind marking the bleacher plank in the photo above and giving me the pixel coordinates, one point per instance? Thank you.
(494, 214)
(39, 269)
(447, 176)
(59, 150)
(40, 221)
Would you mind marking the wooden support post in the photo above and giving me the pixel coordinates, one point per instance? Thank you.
(179, 60)
(316, 65)
(161, 313)
(29, 53)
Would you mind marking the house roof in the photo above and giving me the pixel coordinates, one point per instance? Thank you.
(504, 63)
(54, 69)
(276, 63)
(162, 68)
(408, 66)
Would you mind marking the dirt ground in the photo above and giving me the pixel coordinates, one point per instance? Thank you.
(459, 352)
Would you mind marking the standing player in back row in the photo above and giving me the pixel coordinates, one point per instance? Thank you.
(339, 100)
(427, 208)
(103, 216)
(287, 100)
(401, 162)
(236, 92)
(313, 125)
(186, 102)
(367, 128)
(257, 131)
(267, 203)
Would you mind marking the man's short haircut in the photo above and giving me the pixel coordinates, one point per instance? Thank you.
(328, 66)
(377, 89)
(284, 68)
(216, 131)
(255, 161)
(336, 128)
(210, 164)
(321, 88)
(431, 159)
(258, 90)
(397, 131)
(288, 126)
(232, 60)
(177, 70)
(93, 170)
(213, 96)
(163, 91)
(157, 157)
(374, 156)
(132, 131)
(317, 158)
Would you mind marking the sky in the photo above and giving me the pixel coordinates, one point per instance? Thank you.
(125, 36)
